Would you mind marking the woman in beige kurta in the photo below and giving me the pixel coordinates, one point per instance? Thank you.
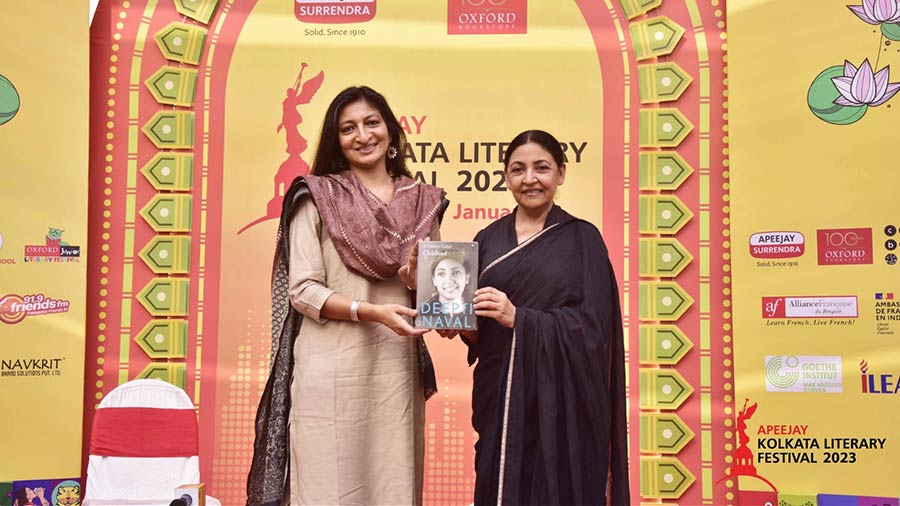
(359, 409)
(341, 421)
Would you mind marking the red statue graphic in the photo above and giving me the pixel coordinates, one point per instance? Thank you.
(296, 144)
(743, 464)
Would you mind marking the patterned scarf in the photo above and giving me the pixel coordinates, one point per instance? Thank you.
(267, 480)
(372, 238)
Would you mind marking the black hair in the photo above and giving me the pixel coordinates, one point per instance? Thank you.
(330, 158)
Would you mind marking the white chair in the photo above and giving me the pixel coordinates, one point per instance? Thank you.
(144, 444)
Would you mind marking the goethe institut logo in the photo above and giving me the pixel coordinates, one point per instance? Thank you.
(334, 11)
(465, 17)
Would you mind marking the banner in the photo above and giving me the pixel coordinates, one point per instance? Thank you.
(815, 237)
(213, 107)
(43, 245)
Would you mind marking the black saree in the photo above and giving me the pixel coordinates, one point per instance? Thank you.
(549, 395)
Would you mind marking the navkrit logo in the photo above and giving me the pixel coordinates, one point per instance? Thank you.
(5, 260)
(844, 246)
(334, 11)
(810, 307)
(31, 366)
(14, 308)
(877, 383)
(465, 17)
(777, 244)
(804, 373)
(53, 249)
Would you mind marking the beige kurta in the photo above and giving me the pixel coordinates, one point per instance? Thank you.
(358, 410)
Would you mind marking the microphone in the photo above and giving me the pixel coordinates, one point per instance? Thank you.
(184, 500)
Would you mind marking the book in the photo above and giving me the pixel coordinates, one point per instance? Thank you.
(447, 276)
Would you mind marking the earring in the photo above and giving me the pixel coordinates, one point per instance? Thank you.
(392, 152)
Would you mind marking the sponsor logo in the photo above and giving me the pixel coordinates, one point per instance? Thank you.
(810, 307)
(5, 260)
(334, 11)
(31, 366)
(777, 244)
(14, 308)
(804, 373)
(54, 249)
(877, 383)
(466, 17)
(845, 246)
(887, 309)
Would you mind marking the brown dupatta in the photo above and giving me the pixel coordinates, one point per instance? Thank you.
(372, 238)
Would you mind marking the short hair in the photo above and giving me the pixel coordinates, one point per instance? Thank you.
(540, 137)
(330, 158)
(453, 254)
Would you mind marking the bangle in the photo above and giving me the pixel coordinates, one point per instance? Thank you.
(354, 310)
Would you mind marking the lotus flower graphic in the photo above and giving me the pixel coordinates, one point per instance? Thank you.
(876, 12)
(842, 94)
(860, 86)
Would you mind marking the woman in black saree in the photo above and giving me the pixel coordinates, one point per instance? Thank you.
(548, 393)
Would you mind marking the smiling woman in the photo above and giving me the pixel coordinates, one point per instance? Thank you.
(548, 393)
(350, 376)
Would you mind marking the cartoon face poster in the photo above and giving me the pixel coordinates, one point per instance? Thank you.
(66, 492)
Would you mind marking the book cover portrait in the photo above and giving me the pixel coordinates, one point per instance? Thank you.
(447, 277)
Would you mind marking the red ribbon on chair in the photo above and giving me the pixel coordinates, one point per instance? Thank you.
(144, 432)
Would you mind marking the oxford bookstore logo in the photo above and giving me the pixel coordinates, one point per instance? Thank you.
(844, 246)
(469, 17)
(54, 249)
(334, 11)
(777, 244)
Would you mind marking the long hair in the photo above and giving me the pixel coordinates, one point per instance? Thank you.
(540, 137)
(330, 158)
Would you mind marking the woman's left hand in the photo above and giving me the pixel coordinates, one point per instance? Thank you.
(407, 273)
(493, 303)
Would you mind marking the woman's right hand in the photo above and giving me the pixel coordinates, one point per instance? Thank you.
(392, 316)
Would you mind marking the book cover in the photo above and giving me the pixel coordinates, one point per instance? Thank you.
(447, 277)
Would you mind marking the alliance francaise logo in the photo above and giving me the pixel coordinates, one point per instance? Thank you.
(469, 17)
(777, 244)
(844, 246)
(810, 307)
(804, 373)
(334, 11)
(15, 308)
(54, 249)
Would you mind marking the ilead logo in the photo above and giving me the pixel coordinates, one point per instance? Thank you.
(334, 11)
(877, 383)
(777, 244)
